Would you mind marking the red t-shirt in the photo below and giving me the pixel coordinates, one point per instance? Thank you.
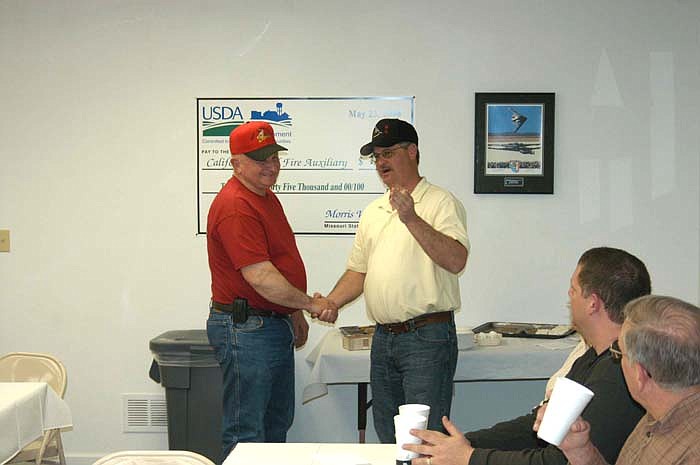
(244, 228)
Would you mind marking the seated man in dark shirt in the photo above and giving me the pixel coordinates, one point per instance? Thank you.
(604, 280)
(659, 351)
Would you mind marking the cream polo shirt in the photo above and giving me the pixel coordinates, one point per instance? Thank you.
(401, 280)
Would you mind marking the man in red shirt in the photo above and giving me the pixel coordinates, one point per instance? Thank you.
(258, 288)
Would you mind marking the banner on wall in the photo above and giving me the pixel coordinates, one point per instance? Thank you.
(324, 183)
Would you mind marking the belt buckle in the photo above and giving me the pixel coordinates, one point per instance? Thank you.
(400, 328)
(411, 325)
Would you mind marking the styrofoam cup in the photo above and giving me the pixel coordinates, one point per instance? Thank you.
(403, 423)
(420, 409)
(566, 403)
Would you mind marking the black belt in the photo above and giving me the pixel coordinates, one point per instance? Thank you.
(417, 322)
(252, 311)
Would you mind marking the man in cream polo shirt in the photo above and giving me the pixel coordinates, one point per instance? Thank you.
(409, 250)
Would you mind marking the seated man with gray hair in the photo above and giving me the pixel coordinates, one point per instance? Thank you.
(659, 349)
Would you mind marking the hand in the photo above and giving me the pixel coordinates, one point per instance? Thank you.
(323, 308)
(401, 200)
(454, 449)
(578, 436)
(539, 414)
(301, 328)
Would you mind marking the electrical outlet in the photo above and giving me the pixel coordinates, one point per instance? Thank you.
(4, 240)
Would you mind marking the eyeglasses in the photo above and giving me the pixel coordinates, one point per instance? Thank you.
(617, 355)
(615, 351)
(386, 154)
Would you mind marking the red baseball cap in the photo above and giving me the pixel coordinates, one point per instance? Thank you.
(255, 139)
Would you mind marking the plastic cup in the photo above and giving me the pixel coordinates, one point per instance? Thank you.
(419, 409)
(568, 400)
(403, 423)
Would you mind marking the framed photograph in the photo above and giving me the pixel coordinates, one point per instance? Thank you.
(514, 143)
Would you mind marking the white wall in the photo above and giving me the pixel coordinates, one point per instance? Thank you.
(98, 164)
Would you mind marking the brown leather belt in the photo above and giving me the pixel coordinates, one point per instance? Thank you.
(417, 322)
(252, 311)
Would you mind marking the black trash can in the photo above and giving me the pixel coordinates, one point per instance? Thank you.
(188, 370)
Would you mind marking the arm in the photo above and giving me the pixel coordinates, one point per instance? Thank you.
(443, 250)
(514, 434)
(577, 445)
(240, 235)
(513, 443)
(273, 286)
(348, 288)
(549, 455)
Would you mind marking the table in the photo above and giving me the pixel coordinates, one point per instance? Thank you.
(515, 359)
(26, 411)
(311, 454)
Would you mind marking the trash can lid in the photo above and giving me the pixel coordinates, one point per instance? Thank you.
(183, 348)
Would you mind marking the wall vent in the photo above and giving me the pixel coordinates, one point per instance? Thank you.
(144, 413)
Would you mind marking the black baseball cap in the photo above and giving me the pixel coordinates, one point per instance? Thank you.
(389, 132)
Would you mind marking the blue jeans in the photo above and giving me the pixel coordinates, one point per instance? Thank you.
(257, 363)
(416, 367)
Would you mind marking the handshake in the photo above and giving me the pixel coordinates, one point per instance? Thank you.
(323, 308)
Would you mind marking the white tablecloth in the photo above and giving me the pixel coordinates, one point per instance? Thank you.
(26, 411)
(311, 454)
(515, 358)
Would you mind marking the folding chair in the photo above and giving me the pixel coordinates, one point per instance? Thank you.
(33, 367)
(154, 457)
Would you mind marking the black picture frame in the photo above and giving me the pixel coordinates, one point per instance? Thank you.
(514, 143)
